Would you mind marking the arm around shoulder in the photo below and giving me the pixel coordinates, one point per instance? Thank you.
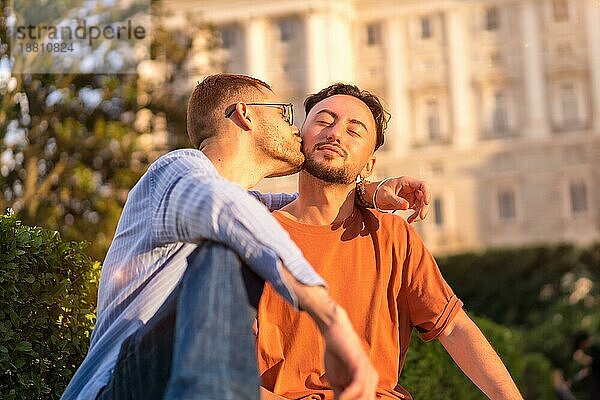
(274, 201)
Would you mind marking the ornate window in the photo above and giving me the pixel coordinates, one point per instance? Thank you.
(286, 30)
(560, 10)
(438, 212)
(578, 195)
(500, 114)
(373, 34)
(433, 121)
(506, 205)
(569, 105)
(492, 19)
(227, 35)
(426, 31)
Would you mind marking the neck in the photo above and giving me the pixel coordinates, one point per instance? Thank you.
(320, 202)
(234, 162)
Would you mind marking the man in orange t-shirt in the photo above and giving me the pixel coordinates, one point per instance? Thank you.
(376, 266)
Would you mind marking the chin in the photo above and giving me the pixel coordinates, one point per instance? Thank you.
(290, 171)
(291, 167)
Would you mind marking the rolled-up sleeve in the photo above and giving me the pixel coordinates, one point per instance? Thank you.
(192, 205)
(431, 302)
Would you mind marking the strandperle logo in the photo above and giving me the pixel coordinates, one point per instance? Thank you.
(79, 37)
(80, 32)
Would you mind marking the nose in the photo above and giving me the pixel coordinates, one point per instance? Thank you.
(295, 130)
(334, 133)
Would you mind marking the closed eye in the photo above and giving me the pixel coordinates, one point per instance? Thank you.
(354, 132)
(328, 123)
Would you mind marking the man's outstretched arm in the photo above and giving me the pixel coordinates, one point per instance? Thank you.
(399, 193)
(471, 351)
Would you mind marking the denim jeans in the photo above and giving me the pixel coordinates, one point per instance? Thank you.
(200, 344)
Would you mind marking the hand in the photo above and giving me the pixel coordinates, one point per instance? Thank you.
(402, 193)
(347, 367)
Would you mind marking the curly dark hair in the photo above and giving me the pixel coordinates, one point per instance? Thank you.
(380, 116)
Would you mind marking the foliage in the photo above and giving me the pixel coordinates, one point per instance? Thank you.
(550, 292)
(184, 54)
(545, 294)
(430, 373)
(47, 305)
(71, 146)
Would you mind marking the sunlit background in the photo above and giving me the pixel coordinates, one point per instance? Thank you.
(495, 103)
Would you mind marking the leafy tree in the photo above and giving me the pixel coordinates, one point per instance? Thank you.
(70, 152)
(183, 54)
(71, 146)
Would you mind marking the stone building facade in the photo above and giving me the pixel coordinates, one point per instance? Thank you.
(496, 103)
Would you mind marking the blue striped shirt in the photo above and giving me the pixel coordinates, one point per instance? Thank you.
(179, 202)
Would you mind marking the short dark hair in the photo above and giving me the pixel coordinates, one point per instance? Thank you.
(380, 116)
(206, 107)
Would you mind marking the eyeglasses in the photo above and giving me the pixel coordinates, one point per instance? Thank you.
(287, 110)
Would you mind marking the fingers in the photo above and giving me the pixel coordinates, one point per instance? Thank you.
(419, 187)
(399, 203)
(388, 199)
(424, 211)
(419, 213)
(416, 192)
(421, 206)
(363, 386)
(413, 217)
(351, 392)
(424, 189)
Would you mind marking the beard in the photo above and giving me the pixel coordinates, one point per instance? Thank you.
(281, 148)
(293, 159)
(326, 173)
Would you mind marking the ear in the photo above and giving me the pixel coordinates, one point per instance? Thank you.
(241, 116)
(368, 168)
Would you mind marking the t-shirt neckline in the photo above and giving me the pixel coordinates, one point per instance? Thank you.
(317, 229)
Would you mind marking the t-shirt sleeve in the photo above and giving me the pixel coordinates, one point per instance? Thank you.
(431, 302)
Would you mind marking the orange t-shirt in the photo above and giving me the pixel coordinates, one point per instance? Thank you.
(378, 269)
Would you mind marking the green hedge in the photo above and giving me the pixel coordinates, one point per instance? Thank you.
(430, 373)
(548, 292)
(516, 286)
(47, 306)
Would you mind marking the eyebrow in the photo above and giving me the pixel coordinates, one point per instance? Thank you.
(334, 115)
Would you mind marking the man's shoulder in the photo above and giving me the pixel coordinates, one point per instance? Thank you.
(389, 221)
(393, 226)
(182, 160)
(180, 156)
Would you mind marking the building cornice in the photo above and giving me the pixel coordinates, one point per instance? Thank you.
(236, 11)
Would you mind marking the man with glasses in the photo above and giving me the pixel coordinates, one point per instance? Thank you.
(176, 302)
